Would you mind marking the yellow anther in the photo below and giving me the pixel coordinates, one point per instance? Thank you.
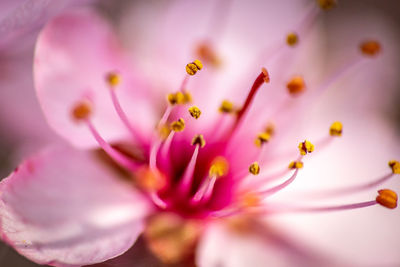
(295, 165)
(370, 47)
(195, 112)
(327, 4)
(193, 67)
(164, 131)
(176, 98)
(296, 85)
(395, 166)
(199, 140)
(226, 107)
(306, 147)
(387, 198)
(187, 97)
(207, 53)
(219, 167)
(113, 79)
(150, 180)
(270, 129)
(266, 75)
(261, 139)
(82, 111)
(336, 129)
(178, 126)
(254, 168)
(292, 39)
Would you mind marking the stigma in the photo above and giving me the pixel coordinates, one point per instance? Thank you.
(82, 111)
(387, 198)
(336, 129)
(193, 67)
(306, 147)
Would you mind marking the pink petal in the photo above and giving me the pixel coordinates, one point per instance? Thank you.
(222, 245)
(74, 53)
(64, 208)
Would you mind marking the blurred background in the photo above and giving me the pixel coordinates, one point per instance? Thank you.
(19, 136)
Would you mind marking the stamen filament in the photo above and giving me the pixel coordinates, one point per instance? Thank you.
(113, 153)
(188, 174)
(124, 118)
(157, 200)
(279, 187)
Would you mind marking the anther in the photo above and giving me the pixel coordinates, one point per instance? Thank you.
(199, 140)
(82, 111)
(226, 107)
(296, 85)
(387, 198)
(306, 147)
(219, 167)
(370, 48)
(266, 75)
(295, 165)
(176, 98)
(254, 168)
(270, 129)
(395, 166)
(251, 199)
(292, 39)
(261, 139)
(193, 67)
(178, 126)
(327, 4)
(187, 97)
(207, 53)
(195, 112)
(113, 79)
(336, 129)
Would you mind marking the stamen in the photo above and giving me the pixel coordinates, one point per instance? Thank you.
(270, 129)
(193, 67)
(195, 112)
(281, 186)
(113, 153)
(226, 107)
(219, 167)
(336, 129)
(306, 147)
(176, 98)
(370, 48)
(292, 39)
(158, 201)
(263, 77)
(113, 79)
(327, 4)
(254, 168)
(178, 126)
(199, 140)
(395, 166)
(262, 138)
(295, 165)
(188, 175)
(296, 86)
(387, 198)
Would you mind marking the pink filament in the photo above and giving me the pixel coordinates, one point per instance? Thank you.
(188, 175)
(113, 153)
(277, 188)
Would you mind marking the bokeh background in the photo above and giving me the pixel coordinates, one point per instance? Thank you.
(16, 82)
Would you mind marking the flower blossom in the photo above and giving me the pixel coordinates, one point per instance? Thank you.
(196, 168)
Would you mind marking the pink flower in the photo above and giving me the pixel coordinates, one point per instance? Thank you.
(203, 170)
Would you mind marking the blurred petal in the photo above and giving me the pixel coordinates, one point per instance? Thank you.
(74, 53)
(64, 208)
